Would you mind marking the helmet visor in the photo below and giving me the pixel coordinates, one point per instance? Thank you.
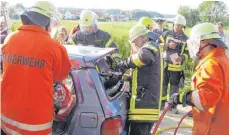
(193, 46)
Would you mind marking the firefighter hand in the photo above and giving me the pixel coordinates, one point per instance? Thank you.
(172, 45)
(174, 100)
(183, 98)
(179, 59)
(121, 67)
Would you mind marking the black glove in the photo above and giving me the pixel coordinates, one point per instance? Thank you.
(183, 98)
(121, 66)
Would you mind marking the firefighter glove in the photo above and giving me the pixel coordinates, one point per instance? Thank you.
(183, 98)
(122, 66)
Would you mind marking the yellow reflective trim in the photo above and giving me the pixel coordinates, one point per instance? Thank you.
(134, 88)
(181, 96)
(182, 50)
(97, 68)
(164, 98)
(107, 45)
(161, 45)
(144, 111)
(174, 69)
(143, 117)
(174, 66)
(161, 81)
(152, 47)
(136, 60)
(162, 39)
(168, 38)
(185, 56)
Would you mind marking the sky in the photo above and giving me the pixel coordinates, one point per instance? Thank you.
(161, 6)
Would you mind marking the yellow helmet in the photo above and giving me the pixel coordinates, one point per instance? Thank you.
(42, 13)
(147, 22)
(136, 31)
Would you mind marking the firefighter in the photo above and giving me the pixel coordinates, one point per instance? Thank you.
(175, 54)
(161, 25)
(150, 25)
(146, 82)
(91, 35)
(209, 96)
(32, 61)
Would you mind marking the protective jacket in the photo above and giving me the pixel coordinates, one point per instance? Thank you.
(181, 48)
(32, 61)
(100, 39)
(211, 95)
(146, 83)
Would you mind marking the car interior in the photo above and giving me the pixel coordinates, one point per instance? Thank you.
(60, 126)
(110, 77)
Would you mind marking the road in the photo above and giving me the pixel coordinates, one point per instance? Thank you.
(171, 119)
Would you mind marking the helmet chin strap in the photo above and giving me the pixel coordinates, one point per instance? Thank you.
(198, 54)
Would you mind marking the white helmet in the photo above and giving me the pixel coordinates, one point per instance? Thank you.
(136, 31)
(180, 19)
(88, 18)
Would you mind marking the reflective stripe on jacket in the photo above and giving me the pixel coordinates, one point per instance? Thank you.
(181, 48)
(146, 83)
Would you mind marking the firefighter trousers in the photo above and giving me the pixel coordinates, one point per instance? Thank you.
(140, 128)
(172, 77)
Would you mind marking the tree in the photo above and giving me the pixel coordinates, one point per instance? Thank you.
(136, 14)
(213, 11)
(191, 15)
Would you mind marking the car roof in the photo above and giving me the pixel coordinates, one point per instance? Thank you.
(89, 53)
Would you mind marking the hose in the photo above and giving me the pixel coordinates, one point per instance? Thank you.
(160, 119)
(186, 114)
(171, 127)
(155, 132)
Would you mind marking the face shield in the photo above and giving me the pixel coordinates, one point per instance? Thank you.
(193, 46)
(88, 30)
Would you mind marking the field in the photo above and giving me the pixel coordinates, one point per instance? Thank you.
(118, 30)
